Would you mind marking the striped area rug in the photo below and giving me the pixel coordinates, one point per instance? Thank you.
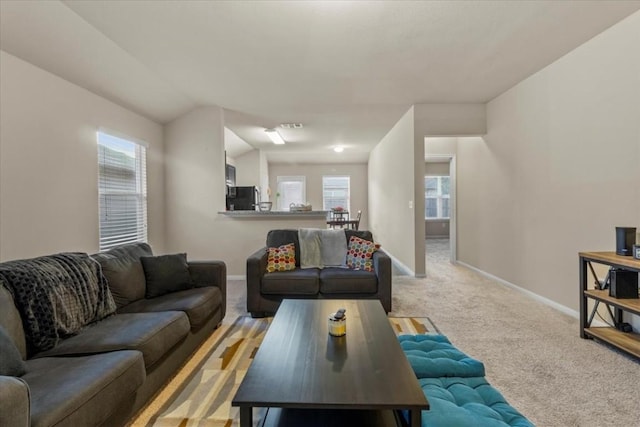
(201, 392)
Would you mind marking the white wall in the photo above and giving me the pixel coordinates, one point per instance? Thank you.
(248, 169)
(441, 146)
(195, 176)
(392, 176)
(445, 120)
(558, 168)
(436, 169)
(314, 174)
(49, 162)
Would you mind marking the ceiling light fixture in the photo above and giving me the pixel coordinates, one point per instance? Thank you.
(338, 149)
(274, 136)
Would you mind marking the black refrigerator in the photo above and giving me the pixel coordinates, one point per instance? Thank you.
(242, 198)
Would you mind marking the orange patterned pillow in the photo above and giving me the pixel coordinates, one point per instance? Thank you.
(282, 258)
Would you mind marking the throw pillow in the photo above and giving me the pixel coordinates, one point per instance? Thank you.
(125, 277)
(282, 258)
(11, 363)
(166, 273)
(360, 253)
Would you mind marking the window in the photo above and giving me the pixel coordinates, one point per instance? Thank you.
(291, 189)
(122, 191)
(436, 197)
(335, 192)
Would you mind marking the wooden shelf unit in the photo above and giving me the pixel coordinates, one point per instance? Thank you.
(629, 342)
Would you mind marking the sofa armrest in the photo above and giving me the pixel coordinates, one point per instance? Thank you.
(14, 402)
(382, 268)
(256, 267)
(210, 273)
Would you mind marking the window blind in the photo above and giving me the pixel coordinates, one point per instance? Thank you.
(335, 192)
(291, 189)
(122, 190)
(436, 193)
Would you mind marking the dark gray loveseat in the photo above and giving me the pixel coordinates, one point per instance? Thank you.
(265, 290)
(111, 368)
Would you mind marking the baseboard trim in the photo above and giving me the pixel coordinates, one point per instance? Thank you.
(403, 268)
(562, 308)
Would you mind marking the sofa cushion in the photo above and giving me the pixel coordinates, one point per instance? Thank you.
(281, 258)
(166, 273)
(153, 334)
(467, 402)
(198, 303)
(295, 282)
(11, 363)
(433, 356)
(277, 238)
(83, 390)
(345, 281)
(122, 268)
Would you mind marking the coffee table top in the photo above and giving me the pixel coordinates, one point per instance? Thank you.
(299, 365)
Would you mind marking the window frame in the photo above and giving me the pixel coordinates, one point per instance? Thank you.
(439, 197)
(347, 204)
(280, 180)
(116, 192)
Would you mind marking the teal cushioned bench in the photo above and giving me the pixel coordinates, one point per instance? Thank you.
(433, 356)
(454, 383)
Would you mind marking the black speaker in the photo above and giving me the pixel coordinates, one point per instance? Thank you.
(623, 283)
(625, 239)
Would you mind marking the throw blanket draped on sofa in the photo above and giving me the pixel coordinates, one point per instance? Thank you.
(322, 248)
(57, 295)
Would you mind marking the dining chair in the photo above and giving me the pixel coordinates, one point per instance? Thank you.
(355, 224)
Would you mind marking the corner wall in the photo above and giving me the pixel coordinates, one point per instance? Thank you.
(195, 177)
(558, 169)
(195, 193)
(49, 162)
(392, 177)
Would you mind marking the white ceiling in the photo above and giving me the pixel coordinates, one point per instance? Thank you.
(347, 70)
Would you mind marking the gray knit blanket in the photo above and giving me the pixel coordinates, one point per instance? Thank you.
(56, 295)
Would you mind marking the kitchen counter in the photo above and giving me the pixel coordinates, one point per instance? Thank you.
(275, 214)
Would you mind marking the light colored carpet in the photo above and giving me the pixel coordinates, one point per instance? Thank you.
(200, 394)
(532, 353)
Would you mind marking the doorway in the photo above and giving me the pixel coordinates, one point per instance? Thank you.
(440, 206)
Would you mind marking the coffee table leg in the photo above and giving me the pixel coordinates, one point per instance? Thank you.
(415, 418)
(246, 416)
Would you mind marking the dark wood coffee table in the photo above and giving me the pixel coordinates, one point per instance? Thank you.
(300, 368)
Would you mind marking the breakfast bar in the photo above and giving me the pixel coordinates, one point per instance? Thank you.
(276, 214)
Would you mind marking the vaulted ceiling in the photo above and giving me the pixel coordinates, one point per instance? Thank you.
(346, 70)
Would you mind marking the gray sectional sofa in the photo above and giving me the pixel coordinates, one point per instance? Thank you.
(265, 291)
(106, 371)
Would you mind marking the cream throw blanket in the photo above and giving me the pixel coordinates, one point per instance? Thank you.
(321, 248)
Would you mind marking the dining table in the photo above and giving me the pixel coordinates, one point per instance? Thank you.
(340, 218)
